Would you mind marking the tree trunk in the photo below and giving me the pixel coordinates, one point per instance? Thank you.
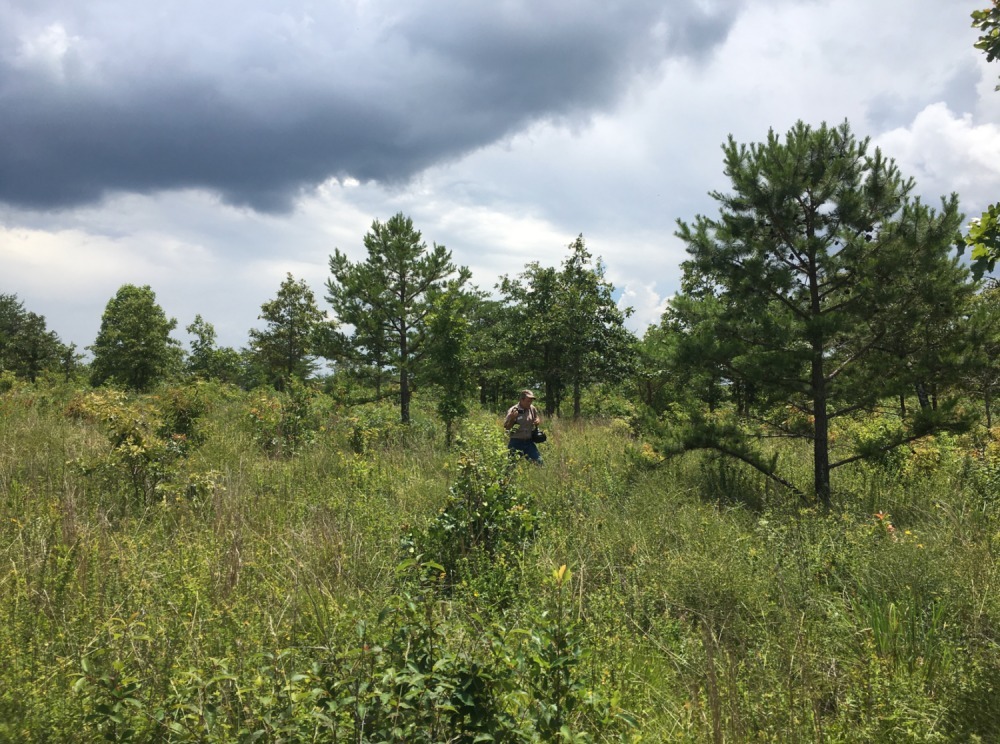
(576, 399)
(404, 380)
(925, 402)
(821, 433)
(378, 375)
(987, 399)
(821, 422)
(550, 399)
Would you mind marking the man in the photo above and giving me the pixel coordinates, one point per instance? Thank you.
(520, 421)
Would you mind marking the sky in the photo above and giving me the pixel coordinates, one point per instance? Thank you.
(209, 149)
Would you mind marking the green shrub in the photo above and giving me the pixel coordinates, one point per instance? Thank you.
(479, 533)
(374, 426)
(283, 424)
(140, 457)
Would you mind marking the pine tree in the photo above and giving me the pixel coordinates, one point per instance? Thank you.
(386, 298)
(820, 289)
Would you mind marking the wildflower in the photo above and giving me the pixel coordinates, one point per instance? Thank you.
(885, 525)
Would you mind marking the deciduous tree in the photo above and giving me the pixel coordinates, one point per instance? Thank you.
(285, 348)
(133, 346)
(449, 353)
(601, 348)
(207, 360)
(27, 347)
(567, 329)
(493, 353)
(984, 232)
(537, 336)
(983, 365)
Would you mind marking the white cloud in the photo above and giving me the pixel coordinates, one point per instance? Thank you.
(46, 52)
(648, 305)
(69, 275)
(945, 152)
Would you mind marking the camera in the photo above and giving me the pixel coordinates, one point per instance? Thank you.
(520, 411)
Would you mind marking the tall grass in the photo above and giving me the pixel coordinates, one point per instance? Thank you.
(263, 584)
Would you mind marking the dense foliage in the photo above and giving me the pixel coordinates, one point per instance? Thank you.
(984, 232)
(134, 348)
(209, 361)
(285, 349)
(565, 328)
(27, 347)
(821, 290)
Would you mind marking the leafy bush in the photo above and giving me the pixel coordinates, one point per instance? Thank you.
(373, 427)
(479, 533)
(8, 381)
(140, 457)
(283, 424)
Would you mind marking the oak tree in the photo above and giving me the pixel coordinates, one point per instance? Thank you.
(984, 232)
(285, 348)
(207, 359)
(134, 348)
(566, 326)
(27, 346)
(449, 353)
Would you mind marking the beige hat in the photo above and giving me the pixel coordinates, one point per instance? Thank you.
(527, 394)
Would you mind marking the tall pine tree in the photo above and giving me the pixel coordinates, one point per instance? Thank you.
(820, 289)
(386, 298)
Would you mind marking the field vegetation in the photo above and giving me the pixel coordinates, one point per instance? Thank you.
(203, 563)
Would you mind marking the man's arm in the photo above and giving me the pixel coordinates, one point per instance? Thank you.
(511, 418)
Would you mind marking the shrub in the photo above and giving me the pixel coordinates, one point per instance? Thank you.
(479, 533)
(283, 424)
(374, 426)
(140, 456)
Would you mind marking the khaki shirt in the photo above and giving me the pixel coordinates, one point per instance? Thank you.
(521, 428)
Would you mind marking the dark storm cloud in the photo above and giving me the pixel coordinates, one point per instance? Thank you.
(258, 100)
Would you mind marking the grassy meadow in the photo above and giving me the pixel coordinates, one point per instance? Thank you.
(205, 564)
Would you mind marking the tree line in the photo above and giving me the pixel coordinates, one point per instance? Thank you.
(822, 292)
(403, 317)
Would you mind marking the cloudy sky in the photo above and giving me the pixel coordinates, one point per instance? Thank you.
(208, 149)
